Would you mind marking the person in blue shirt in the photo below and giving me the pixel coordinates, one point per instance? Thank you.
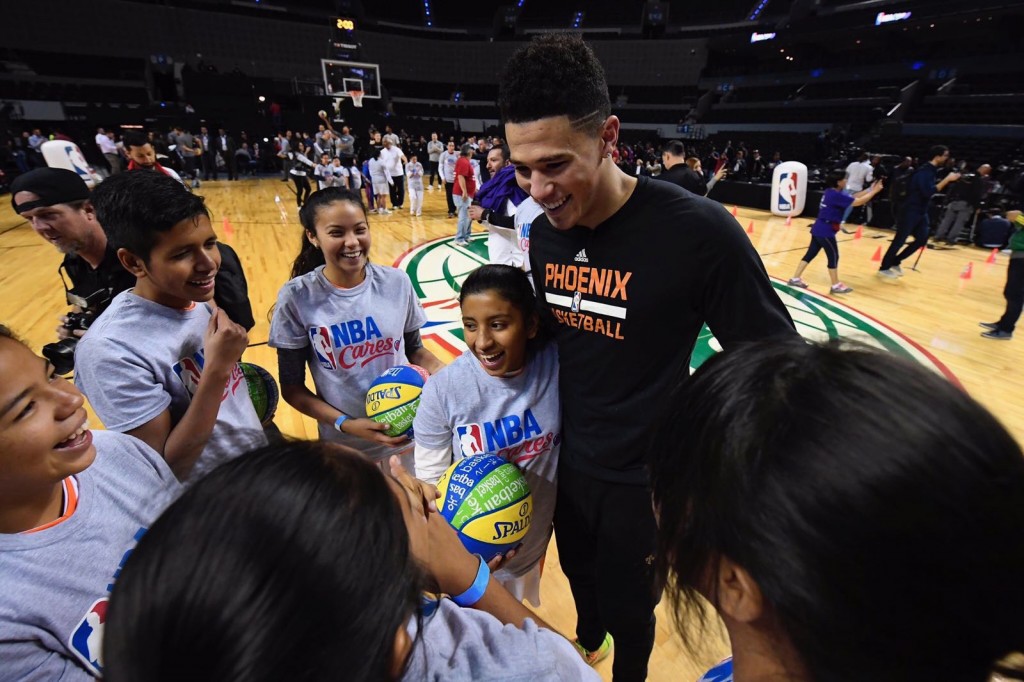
(834, 204)
(913, 216)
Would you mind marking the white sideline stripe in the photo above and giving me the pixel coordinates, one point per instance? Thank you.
(590, 306)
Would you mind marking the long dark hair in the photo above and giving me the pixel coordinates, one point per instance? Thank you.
(311, 257)
(291, 562)
(879, 509)
(513, 285)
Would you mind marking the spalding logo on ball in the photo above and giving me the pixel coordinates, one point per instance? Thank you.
(488, 502)
(394, 397)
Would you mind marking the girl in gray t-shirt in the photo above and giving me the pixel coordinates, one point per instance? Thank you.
(348, 319)
(501, 398)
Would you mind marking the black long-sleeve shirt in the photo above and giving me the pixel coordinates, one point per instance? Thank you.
(629, 298)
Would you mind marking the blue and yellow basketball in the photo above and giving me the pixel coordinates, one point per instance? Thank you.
(394, 396)
(488, 501)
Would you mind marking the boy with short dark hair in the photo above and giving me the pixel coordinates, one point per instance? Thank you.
(163, 364)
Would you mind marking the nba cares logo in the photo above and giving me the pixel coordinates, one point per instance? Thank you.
(190, 370)
(471, 439)
(87, 638)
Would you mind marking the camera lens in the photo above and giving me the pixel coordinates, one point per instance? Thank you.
(61, 355)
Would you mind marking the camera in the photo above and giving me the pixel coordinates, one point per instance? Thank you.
(61, 354)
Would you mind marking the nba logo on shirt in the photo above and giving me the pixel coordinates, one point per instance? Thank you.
(576, 299)
(788, 183)
(189, 371)
(87, 639)
(471, 439)
(320, 337)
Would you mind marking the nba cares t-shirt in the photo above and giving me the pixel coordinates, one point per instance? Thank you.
(352, 335)
(57, 580)
(141, 358)
(517, 418)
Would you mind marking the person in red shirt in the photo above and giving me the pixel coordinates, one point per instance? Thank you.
(462, 193)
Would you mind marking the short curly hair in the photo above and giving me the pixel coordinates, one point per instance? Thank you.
(557, 74)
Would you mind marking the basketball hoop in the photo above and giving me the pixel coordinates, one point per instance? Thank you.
(357, 98)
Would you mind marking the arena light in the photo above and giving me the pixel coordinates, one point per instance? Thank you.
(262, 98)
(756, 37)
(427, 14)
(888, 18)
(577, 19)
(758, 9)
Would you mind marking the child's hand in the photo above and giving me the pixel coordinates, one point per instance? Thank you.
(223, 343)
(499, 560)
(421, 494)
(367, 429)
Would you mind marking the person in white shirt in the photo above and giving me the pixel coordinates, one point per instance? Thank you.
(859, 175)
(380, 179)
(394, 160)
(414, 171)
(109, 150)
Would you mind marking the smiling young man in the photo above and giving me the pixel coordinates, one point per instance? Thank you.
(162, 364)
(73, 503)
(630, 269)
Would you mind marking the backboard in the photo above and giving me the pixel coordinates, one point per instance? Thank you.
(341, 77)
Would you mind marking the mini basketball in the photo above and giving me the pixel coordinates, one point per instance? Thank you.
(488, 501)
(322, 113)
(394, 396)
(262, 391)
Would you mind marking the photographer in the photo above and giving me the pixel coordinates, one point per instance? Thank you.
(965, 197)
(56, 203)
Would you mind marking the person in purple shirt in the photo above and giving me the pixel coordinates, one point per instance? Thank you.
(823, 232)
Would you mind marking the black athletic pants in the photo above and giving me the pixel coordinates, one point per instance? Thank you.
(432, 173)
(606, 541)
(398, 191)
(448, 195)
(1014, 294)
(302, 189)
(909, 224)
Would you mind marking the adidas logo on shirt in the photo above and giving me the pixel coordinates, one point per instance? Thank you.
(581, 257)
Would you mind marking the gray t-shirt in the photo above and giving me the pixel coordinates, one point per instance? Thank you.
(352, 336)
(434, 149)
(467, 644)
(447, 164)
(57, 581)
(526, 213)
(518, 419)
(346, 144)
(414, 171)
(141, 358)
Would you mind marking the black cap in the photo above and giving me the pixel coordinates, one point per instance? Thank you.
(52, 186)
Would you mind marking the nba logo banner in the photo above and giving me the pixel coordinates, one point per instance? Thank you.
(789, 189)
(87, 639)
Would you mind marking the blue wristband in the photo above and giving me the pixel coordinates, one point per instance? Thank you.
(339, 421)
(476, 591)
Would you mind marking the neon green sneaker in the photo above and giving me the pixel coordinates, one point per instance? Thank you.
(597, 655)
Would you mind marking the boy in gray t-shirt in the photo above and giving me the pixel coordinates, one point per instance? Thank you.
(160, 363)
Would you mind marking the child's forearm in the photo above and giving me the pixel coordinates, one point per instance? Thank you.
(307, 402)
(188, 438)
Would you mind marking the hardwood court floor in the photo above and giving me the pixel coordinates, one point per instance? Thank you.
(933, 307)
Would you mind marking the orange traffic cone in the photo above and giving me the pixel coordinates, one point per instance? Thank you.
(878, 255)
(968, 269)
(750, 229)
(992, 256)
(859, 233)
(789, 220)
(735, 211)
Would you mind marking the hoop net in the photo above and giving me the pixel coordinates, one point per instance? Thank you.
(357, 97)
